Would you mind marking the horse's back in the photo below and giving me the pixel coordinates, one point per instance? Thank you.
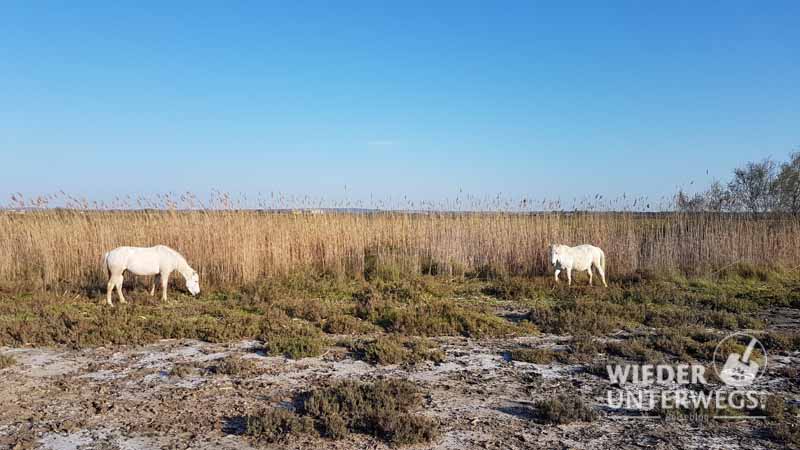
(594, 254)
(139, 260)
(588, 249)
(118, 255)
(582, 256)
(164, 250)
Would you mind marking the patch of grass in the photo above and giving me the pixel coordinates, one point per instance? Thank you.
(486, 272)
(638, 276)
(292, 338)
(369, 303)
(41, 319)
(288, 313)
(295, 341)
(396, 350)
(564, 409)
(785, 433)
(745, 271)
(6, 361)
(676, 344)
(442, 318)
(634, 349)
(347, 324)
(383, 409)
(513, 288)
(181, 370)
(774, 408)
(423, 349)
(600, 368)
(776, 341)
(310, 310)
(277, 424)
(235, 366)
(284, 291)
(79, 323)
(687, 345)
(583, 347)
(533, 355)
(402, 290)
(381, 351)
(679, 303)
(777, 409)
(584, 316)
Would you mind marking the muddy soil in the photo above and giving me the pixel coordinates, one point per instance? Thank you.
(131, 398)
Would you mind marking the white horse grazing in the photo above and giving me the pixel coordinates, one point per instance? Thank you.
(159, 260)
(579, 258)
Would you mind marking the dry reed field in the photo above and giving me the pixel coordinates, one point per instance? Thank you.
(62, 248)
(386, 329)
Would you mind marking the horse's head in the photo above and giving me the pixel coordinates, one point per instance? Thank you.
(193, 283)
(552, 252)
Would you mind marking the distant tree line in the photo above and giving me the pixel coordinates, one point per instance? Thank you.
(757, 187)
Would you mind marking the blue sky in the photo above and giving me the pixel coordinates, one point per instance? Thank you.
(423, 99)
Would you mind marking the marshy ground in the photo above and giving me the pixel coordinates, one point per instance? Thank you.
(427, 362)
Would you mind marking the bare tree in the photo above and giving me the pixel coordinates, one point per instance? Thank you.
(686, 203)
(717, 198)
(787, 185)
(753, 186)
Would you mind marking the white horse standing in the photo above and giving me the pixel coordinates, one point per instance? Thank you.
(159, 260)
(579, 258)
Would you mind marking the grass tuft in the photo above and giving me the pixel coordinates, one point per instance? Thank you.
(347, 324)
(295, 342)
(6, 361)
(564, 409)
(383, 409)
(786, 433)
(235, 366)
(181, 370)
(397, 350)
(533, 355)
(277, 424)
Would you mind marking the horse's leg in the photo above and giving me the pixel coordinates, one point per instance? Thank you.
(569, 277)
(164, 283)
(590, 275)
(118, 279)
(153, 285)
(558, 271)
(602, 275)
(110, 290)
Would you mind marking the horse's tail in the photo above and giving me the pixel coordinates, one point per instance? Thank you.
(105, 265)
(603, 261)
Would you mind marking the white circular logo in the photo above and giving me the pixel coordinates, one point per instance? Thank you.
(740, 369)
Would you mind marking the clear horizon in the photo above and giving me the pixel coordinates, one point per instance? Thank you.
(414, 101)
